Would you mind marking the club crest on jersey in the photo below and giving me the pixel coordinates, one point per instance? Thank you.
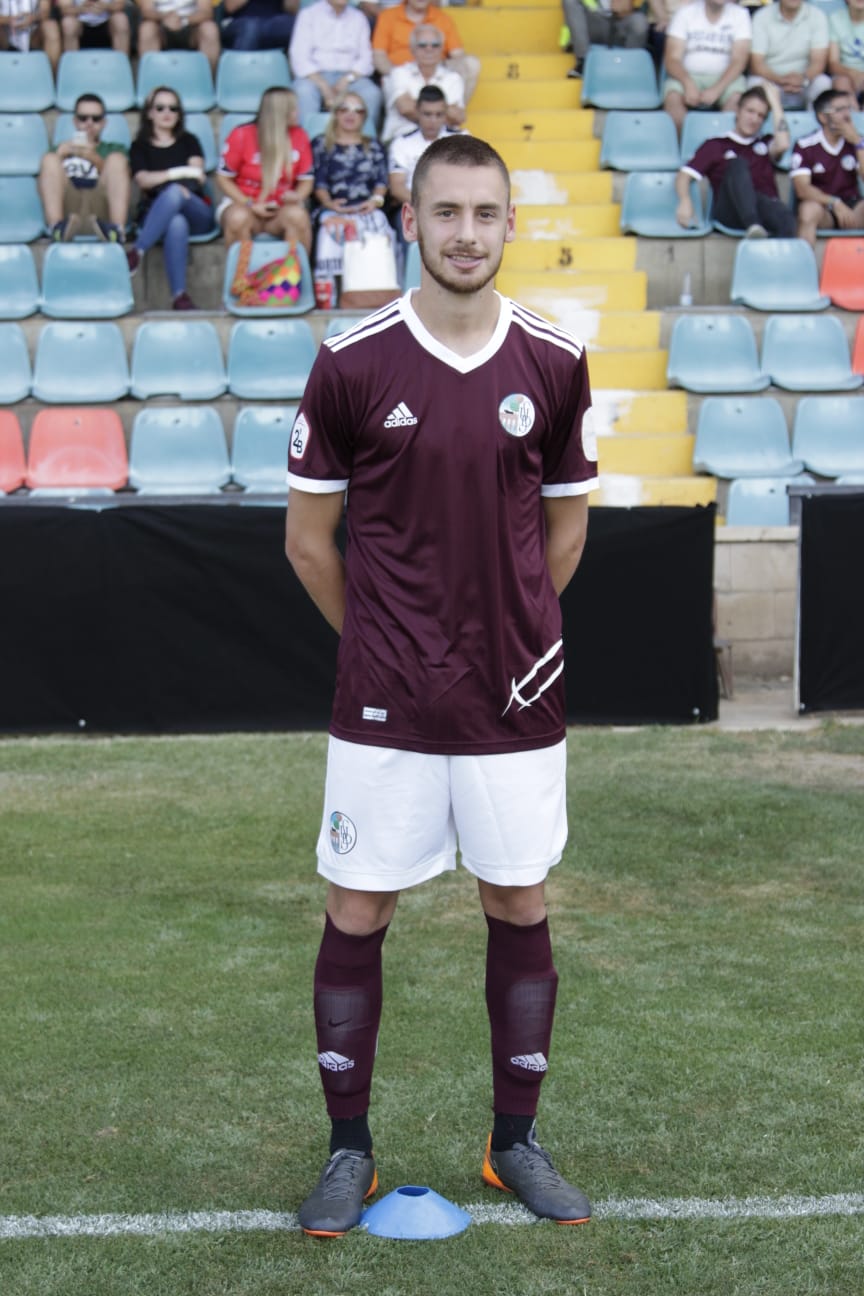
(516, 415)
(343, 834)
(299, 436)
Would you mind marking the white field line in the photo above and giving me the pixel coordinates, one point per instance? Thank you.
(18, 1227)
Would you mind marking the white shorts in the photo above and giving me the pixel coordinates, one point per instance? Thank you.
(394, 818)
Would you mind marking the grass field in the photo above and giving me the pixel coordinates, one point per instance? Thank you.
(159, 918)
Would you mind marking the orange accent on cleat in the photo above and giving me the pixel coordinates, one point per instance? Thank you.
(489, 1175)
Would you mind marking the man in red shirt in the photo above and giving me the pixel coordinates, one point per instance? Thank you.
(391, 41)
(826, 167)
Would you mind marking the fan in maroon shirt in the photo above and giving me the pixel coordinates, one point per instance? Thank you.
(826, 168)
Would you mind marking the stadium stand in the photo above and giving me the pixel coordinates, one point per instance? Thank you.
(26, 82)
(777, 275)
(102, 72)
(86, 281)
(743, 437)
(180, 358)
(808, 353)
(715, 353)
(242, 75)
(185, 71)
(80, 363)
(270, 359)
(634, 141)
(619, 78)
(178, 450)
(649, 207)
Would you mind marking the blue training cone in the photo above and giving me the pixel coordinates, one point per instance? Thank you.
(417, 1213)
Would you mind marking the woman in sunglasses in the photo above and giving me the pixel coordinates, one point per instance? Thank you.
(168, 167)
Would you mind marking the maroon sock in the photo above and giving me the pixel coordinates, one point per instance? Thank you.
(347, 1014)
(521, 982)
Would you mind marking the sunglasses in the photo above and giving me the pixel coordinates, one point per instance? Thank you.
(428, 45)
(163, 107)
(346, 109)
(89, 117)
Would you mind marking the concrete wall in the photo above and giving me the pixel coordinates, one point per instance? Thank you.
(756, 582)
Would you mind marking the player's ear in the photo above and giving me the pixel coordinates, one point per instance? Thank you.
(409, 223)
(510, 232)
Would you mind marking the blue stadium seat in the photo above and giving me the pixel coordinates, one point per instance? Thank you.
(19, 285)
(115, 131)
(15, 375)
(199, 125)
(178, 450)
(259, 455)
(23, 141)
(640, 141)
(181, 358)
(243, 76)
(829, 434)
(26, 82)
(649, 206)
(808, 353)
(86, 281)
(412, 266)
(701, 126)
(850, 479)
(777, 275)
(619, 78)
(21, 217)
(187, 72)
(715, 353)
(106, 73)
(341, 324)
(80, 363)
(270, 359)
(761, 501)
(264, 252)
(743, 437)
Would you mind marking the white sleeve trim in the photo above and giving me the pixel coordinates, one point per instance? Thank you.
(315, 486)
(556, 490)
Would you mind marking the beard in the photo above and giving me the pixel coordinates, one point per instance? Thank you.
(453, 282)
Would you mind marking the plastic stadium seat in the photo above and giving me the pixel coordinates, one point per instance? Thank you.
(104, 72)
(619, 78)
(828, 434)
(77, 448)
(262, 253)
(858, 348)
(80, 363)
(21, 218)
(26, 82)
(229, 121)
(186, 71)
(634, 141)
(23, 141)
(199, 125)
(843, 273)
(701, 126)
(15, 375)
(181, 358)
(715, 353)
(115, 131)
(13, 465)
(649, 206)
(808, 353)
(743, 437)
(777, 275)
(243, 76)
(86, 281)
(270, 359)
(850, 479)
(178, 450)
(412, 266)
(259, 457)
(19, 285)
(341, 324)
(761, 501)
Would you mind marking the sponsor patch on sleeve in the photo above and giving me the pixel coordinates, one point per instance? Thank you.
(589, 436)
(299, 436)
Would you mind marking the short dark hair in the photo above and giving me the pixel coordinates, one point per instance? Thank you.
(89, 98)
(755, 92)
(431, 94)
(824, 101)
(457, 150)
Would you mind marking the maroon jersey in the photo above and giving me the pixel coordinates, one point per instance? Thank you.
(713, 157)
(452, 633)
(833, 168)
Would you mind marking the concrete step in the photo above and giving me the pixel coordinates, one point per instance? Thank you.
(533, 253)
(557, 295)
(529, 126)
(528, 28)
(550, 155)
(628, 412)
(507, 95)
(643, 370)
(654, 455)
(526, 67)
(622, 490)
(539, 188)
(561, 225)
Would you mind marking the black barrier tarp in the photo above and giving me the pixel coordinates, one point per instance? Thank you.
(831, 603)
(171, 618)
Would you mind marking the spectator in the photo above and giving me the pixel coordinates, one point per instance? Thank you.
(258, 24)
(168, 168)
(179, 24)
(826, 168)
(406, 151)
(707, 48)
(266, 173)
(846, 48)
(27, 25)
(330, 53)
(391, 41)
(740, 169)
(98, 23)
(406, 81)
(603, 22)
(84, 182)
(790, 50)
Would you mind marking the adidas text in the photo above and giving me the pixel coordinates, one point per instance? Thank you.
(335, 1062)
(401, 416)
(530, 1061)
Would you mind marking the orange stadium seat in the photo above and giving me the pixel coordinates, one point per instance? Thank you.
(77, 448)
(13, 467)
(843, 273)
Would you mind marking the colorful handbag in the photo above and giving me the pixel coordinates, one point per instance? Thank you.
(272, 285)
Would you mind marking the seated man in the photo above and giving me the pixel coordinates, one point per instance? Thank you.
(28, 25)
(100, 23)
(790, 50)
(846, 48)
(258, 24)
(706, 53)
(179, 24)
(826, 167)
(330, 52)
(391, 41)
(603, 22)
(739, 167)
(407, 80)
(83, 183)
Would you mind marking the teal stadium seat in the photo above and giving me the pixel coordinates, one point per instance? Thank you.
(180, 358)
(808, 353)
(86, 281)
(187, 72)
(80, 363)
(23, 142)
(761, 501)
(828, 434)
(777, 275)
(26, 82)
(715, 353)
(21, 217)
(701, 126)
(412, 266)
(264, 252)
(106, 73)
(19, 284)
(649, 206)
(243, 75)
(178, 450)
(270, 359)
(16, 377)
(619, 78)
(640, 141)
(259, 455)
(115, 131)
(13, 464)
(743, 437)
(199, 125)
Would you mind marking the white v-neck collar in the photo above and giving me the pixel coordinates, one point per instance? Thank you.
(462, 364)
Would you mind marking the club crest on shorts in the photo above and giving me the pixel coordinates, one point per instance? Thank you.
(516, 415)
(343, 834)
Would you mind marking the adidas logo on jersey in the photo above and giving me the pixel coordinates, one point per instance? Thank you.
(401, 416)
(530, 1061)
(335, 1062)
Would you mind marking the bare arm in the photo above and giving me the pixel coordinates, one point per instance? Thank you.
(684, 212)
(150, 179)
(566, 530)
(311, 524)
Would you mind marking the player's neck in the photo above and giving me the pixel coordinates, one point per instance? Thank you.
(464, 323)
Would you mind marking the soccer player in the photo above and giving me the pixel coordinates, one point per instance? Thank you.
(458, 422)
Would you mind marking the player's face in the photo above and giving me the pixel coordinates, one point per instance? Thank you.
(461, 222)
(750, 117)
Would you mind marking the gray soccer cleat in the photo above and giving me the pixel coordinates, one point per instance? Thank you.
(527, 1171)
(336, 1203)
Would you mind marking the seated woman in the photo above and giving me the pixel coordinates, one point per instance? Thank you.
(168, 166)
(350, 185)
(266, 174)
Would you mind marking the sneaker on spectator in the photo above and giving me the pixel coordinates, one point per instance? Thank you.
(577, 70)
(183, 302)
(64, 230)
(107, 232)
